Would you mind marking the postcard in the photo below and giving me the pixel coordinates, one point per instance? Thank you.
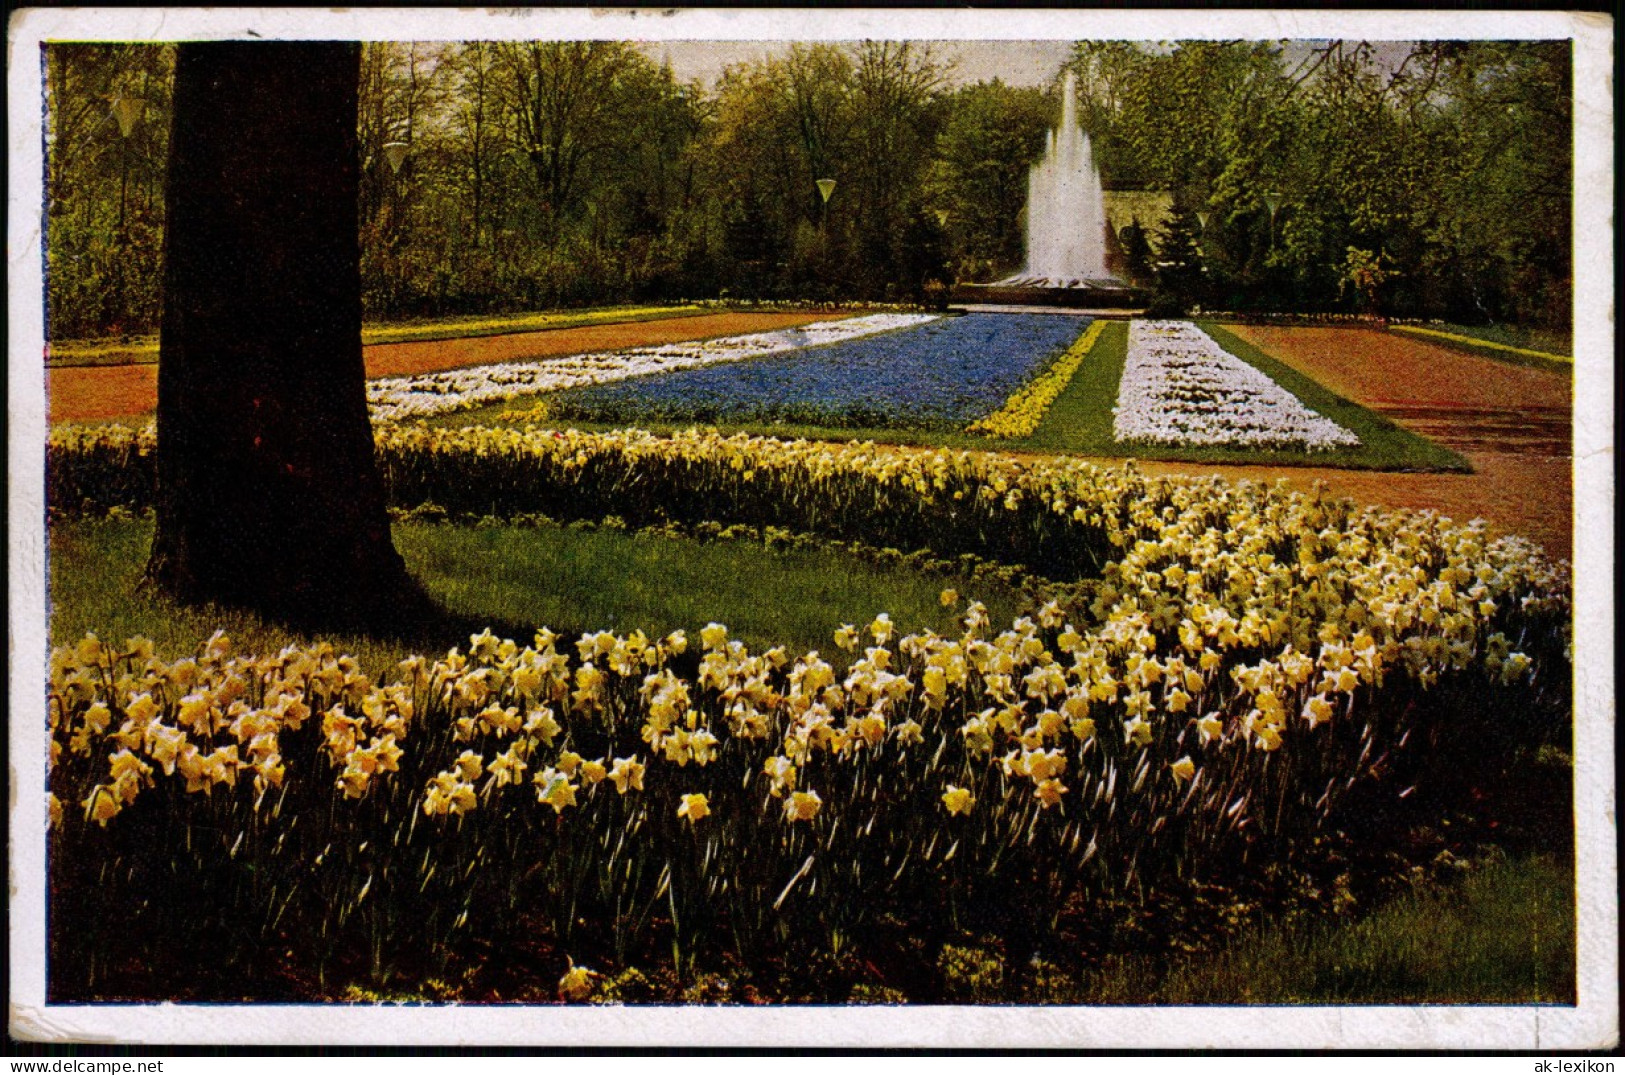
(878, 529)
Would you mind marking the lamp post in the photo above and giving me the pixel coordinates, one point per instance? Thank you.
(395, 155)
(1272, 202)
(128, 112)
(826, 187)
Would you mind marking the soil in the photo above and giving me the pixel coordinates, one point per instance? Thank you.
(1513, 423)
(100, 393)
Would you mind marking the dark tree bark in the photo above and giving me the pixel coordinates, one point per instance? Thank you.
(269, 495)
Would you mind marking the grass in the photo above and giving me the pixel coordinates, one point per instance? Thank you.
(1079, 422)
(1503, 934)
(1552, 341)
(516, 579)
(1547, 349)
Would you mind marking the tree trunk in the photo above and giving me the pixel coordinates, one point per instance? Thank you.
(269, 495)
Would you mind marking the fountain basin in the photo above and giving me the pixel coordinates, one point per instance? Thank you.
(1044, 291)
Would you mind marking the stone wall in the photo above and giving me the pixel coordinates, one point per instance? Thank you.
(1150, 207)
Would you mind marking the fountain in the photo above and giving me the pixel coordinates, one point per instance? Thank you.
(1066, 209)
(1066, 227)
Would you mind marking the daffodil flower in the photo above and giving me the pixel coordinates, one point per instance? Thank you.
(802, 806)
(1317, 710)
(958, 800)
(102, 805)
(693, 807)
(577, 983)
(469, 765)
(554, 789)
(1138, 731)
(881, 629)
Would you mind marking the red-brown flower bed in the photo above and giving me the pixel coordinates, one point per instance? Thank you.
(98, 393)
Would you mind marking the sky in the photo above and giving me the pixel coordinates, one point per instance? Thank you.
(1017, 63)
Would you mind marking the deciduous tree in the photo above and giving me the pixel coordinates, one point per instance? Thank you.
(268, 492)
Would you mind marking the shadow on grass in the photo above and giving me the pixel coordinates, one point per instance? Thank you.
(96, 584)
(516, 579)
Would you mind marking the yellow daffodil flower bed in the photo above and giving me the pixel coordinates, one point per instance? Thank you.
(1019, 417)
(1244, 663)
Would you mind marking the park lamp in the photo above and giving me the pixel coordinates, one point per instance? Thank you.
(395, 154)
(1202, 218)
(1272, 202)
(128, 112)
(826, 187)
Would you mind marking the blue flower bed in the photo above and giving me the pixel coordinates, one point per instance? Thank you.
(941, 375)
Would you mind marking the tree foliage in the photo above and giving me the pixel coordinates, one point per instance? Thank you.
(106, 175)
(519, 175)
(1428, 178)
(991, 138)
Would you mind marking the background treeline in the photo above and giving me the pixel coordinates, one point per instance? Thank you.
(1431, 179)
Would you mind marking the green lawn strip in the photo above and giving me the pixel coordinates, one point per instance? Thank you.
(1503, 934)
(70, 354)
(608, 580)
(1476, 341)
(1555, 343)
(518, 578)
(1080, 418)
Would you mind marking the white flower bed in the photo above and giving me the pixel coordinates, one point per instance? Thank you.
(392, 399)
(1180, 387)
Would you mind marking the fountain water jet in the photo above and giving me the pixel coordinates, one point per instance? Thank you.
(1066, 208)
(1066, 229)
